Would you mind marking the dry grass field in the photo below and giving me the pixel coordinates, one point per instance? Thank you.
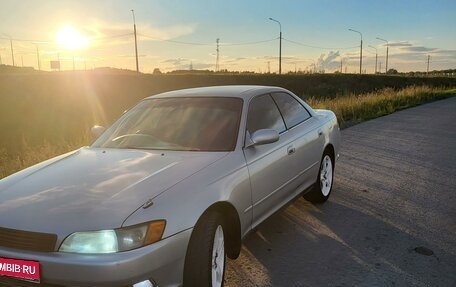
(45, 114)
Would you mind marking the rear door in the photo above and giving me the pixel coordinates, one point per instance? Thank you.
(306, 139)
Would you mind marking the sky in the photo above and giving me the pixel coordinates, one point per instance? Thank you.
(175, 35)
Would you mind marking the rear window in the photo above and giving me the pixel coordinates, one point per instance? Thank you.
(292, 111)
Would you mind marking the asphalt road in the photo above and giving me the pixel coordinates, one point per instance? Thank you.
(394, 193)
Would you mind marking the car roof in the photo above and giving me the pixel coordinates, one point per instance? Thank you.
(238, 91)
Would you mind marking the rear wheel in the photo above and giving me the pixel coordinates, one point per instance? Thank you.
(206, 254)
(323, 185)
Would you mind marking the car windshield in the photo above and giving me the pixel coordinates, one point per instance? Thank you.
(196, 124)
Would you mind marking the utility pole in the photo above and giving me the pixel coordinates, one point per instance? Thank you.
(341, 65)
(380, 67)
(387, 46)
(217, 67)
(136, 43)
(375, 58)
(22, 61)
(427, 70)
(376, 62)
(269, 67)
(280, 45)
(38, 57)
(12, 51)
(361, 50)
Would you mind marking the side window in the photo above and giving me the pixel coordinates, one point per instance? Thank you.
(292, 111)
(263, 114)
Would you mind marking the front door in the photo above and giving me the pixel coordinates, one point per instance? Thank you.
(268, 165)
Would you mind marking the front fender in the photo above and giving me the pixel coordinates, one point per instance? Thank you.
(226, 180)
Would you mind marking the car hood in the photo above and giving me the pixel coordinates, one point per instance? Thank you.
(92, 188)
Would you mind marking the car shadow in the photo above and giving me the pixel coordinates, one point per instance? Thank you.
(339, 243)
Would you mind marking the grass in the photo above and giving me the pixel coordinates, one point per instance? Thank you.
(353, 109)
(350, 109)
(31, 155)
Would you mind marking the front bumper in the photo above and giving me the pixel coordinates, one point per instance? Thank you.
(163, 262)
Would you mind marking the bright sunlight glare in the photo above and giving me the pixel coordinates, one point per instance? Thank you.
(69, 38)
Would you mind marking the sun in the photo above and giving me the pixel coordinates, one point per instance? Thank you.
(69, 38)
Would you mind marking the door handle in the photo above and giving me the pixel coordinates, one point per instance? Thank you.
(291, 150)
(320, 132)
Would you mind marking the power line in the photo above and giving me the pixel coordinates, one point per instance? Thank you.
(249, 43)
(372, 53)
(439, 61)
(181, 42)
(111, 37)
(206, 44)
(25, 40)
(174, 41)
(318, 47)
(51, 42)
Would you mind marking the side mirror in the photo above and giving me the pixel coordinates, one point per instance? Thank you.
(264, 136)
(97, 131)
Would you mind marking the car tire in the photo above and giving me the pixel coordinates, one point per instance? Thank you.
(321, 189)
(206, 253)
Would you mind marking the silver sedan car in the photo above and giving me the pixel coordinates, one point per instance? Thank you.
(167, 192)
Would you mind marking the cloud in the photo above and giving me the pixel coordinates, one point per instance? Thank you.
(406, 46)
(420, 54)
(408, 57)
(419, 49)
(132, 56)
(406, 52)
(351, 55)
(184, 64)
(276, 58)
(328, 62)
(202, 66)
(233, 60)
(447, 53)
(399, 44)
(176, 62)
(166, 33)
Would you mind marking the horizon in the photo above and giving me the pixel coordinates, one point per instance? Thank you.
(180, 36)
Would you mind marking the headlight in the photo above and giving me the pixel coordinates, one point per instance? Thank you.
(104, 241)
(110, 241)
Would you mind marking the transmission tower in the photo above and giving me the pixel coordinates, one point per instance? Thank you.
(217, 67)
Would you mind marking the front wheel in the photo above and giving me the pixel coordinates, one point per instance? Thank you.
(205, 259)
(323, 185)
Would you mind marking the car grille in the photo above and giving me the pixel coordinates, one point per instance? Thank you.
(26, 240)
(9, 282)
